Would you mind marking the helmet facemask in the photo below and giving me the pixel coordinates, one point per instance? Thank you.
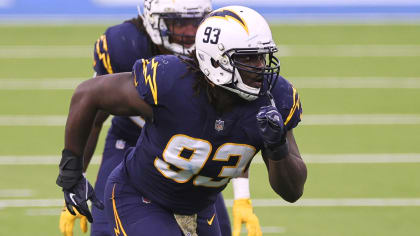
(248, 80)
(178, 43)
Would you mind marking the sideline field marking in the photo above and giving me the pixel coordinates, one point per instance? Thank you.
(305, 202)
(298, 82)
(325, 119)
(309, 158)
(345, 50)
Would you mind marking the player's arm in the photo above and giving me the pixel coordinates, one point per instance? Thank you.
(102, 66)
(100, 118)
(287, 172)
(113, 93)
(92, 141)
(286, 169)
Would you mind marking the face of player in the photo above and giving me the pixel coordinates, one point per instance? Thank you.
(250, 67)
(183, 30)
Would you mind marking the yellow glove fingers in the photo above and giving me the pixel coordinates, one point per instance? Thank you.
(69, 229)
(237, 223)
(83, 224)
(253, 226)
(61, 223)
(66, 223)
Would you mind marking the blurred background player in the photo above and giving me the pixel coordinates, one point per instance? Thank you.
(206, 119)
(165, 27)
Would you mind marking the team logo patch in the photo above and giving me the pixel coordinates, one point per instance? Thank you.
(219, 125)
(226, 14)
(120, 144)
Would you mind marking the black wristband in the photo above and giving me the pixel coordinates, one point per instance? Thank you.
(71, 170)
(277, 152)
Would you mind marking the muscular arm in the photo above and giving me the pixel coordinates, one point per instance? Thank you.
(287, 176)
(114, 93)
(92, 141)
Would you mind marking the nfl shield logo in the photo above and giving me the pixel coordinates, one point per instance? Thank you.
(219, 125)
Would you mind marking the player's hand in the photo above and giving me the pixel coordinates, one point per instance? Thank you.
(271, 126)
(242, 213)
(77, 190)
(67, 221)
(78, 196)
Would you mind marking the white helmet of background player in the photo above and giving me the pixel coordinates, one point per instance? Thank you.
(158, 15)
(232, 32)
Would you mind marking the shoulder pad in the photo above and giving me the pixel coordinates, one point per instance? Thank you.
(118, 49)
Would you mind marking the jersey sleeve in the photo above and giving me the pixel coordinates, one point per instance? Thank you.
(154, 78)
(288, 103)
(101, 57)
(294, 113)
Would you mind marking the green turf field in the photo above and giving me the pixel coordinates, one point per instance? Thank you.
(363, 174)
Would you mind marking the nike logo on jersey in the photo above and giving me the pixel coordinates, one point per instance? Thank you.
(210, 222)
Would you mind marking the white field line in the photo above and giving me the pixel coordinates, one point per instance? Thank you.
(298, 82)
(57, 211)
(36, 120)
(31, 52)
(76, 51)
(355, 82)
(38, 160)
(361, 119)
(349, 51)
(305, 202)
(40, 84)
(5, 193)
(363, 158)
(327, 119)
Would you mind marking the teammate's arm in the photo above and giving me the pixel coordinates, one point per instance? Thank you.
(242, 210)
(287, 175)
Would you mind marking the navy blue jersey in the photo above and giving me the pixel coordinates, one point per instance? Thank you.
(116, 51)
(189, 153)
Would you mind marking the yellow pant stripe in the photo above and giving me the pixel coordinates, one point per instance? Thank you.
(118, 225)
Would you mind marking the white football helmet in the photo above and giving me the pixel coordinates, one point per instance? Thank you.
(157, 14)
(232, 32)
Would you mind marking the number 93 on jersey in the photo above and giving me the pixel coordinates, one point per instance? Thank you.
(190, 156)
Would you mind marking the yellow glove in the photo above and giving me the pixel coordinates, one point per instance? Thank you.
(67, 222)
(242, 213)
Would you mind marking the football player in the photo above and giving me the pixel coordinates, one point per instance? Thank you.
(206, 115)
(165, 27)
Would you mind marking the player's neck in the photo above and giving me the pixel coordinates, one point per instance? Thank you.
(224, 100)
